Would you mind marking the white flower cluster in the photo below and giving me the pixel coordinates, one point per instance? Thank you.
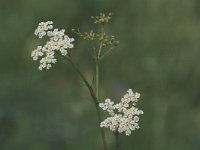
(58, 41)
(124, 115)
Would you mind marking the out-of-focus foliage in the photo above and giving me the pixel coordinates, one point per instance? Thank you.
(158, 56)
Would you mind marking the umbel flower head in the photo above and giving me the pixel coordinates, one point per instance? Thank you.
(58, 42)
(124, 116)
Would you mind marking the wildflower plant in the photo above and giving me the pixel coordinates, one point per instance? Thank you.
(123, 116)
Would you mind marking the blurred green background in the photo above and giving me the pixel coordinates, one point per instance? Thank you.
(158, 56)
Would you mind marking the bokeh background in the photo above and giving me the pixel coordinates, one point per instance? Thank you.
(158, 56)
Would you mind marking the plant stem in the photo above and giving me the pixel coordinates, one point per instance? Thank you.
(102, 130)
(94, 98)
(108, 51)
(97, 96)
(97, 79)
(97, 90)
(117, 140)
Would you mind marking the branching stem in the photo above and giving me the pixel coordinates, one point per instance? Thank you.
(93, 95)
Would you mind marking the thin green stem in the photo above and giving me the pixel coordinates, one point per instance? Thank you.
(100, 49)
(108, 51)
(97, 56)
(101, 44)
(102, 130)
(117, 146)
(95, 53)
(93, 95)
(97, 96)
(97, 79)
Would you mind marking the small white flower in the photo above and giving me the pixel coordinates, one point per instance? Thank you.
(58, 42)
(43, 27)
(37, 52)
(108, 106)
(137, 95)
(124, 115)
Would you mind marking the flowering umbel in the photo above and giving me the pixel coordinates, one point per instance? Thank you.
(124, 115)
(58, 42)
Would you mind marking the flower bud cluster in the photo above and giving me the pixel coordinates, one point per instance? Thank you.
(102, 18)
(58, 41)
(106, 40)
(124, 116)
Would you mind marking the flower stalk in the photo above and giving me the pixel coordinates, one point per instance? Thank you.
(93, 95)
(117, 146)
(97, 78)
